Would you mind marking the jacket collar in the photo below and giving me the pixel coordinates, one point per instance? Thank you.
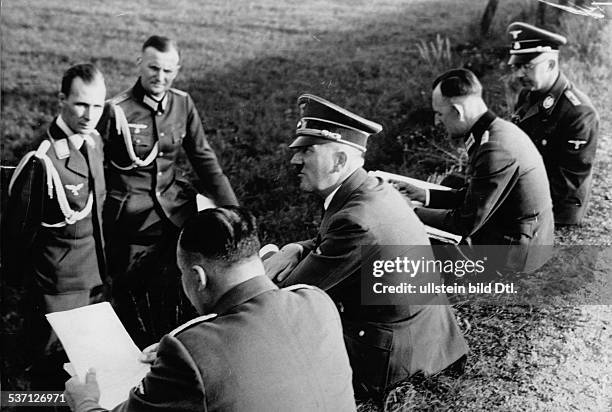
(546, 102)
(75, 161)
(346, 188)
(551, 98)
(475, 136)
(140, 95)
(243, 292)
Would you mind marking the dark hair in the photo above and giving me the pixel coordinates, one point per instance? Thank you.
(458, 83)
(227, 234)
(87, 72)
(161, 43)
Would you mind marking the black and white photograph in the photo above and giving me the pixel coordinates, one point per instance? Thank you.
(305, 205)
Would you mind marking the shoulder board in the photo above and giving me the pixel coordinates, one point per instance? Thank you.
(192, 322)
(121, 97)
(44, 147)
(572, 98)
(296, 287)
(179, 92)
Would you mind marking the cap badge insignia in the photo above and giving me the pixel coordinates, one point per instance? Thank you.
(517, 45)
(330, 135)
(548, 102)
(300, 125)
(515, 33)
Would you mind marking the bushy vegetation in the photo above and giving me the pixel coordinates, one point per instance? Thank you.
(245, 64)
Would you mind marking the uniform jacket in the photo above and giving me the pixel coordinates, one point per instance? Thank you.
(507, 199)
(564, 125)
(385, 343)
(176, 125)
(71, 257)
(266, 350)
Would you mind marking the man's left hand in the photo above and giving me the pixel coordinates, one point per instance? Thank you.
(78, 392)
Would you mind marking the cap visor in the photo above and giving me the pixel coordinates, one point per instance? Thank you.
(302, 141)
(522, 58)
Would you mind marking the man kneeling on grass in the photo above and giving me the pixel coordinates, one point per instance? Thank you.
(265, 349)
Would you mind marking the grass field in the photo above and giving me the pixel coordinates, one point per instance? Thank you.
(245, 63)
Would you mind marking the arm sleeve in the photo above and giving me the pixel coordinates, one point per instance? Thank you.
(204, 160)
(495, 172)
(24, 216)
(173, 384)
(337, 256)
(445, 198)
(580, 130)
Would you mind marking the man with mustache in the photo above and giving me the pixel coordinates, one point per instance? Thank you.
(558, 117)
(386, 343)
(145, 128)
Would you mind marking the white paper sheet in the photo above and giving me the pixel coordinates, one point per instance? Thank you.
(433, 232)
(93, 337)
(204, 202)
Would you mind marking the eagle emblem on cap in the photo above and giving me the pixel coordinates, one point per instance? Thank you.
(548, 102)
(515, 33)
(299, 125)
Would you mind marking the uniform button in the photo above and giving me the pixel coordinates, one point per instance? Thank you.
(138, 140)
(161, 154)
(361, 333)
(544, 142)
(158, 193)
(159, 173)
(159, 113)
(162, 134)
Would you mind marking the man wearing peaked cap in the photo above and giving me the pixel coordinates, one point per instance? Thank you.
(386, 344)
(558, 117)
(322, 121)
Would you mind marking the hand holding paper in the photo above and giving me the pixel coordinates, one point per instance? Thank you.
(93, 337)
(78, 392)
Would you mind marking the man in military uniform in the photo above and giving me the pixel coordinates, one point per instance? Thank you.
(148, 200)
(54, 220)
(385, 343)
(558, 117)
(263, 349)
(507, 199)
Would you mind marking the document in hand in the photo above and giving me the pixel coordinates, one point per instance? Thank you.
(93, 337)
(432, 232)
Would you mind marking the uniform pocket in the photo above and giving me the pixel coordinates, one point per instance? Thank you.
(369, 349)
(178, 134)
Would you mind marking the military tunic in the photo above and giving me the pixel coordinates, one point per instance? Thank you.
(265, 350)
(563, 124)
(148, 202)
(386, 344)
(59, 257)
(507, 198)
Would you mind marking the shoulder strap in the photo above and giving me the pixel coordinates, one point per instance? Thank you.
(297, 287)
(193, 322)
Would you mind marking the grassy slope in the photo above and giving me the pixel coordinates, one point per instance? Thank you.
(245, 63)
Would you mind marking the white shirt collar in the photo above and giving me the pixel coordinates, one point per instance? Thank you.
(76, 139)
(329, 198)
(152, 103)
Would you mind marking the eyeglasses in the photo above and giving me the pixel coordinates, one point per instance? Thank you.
(526, 66)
